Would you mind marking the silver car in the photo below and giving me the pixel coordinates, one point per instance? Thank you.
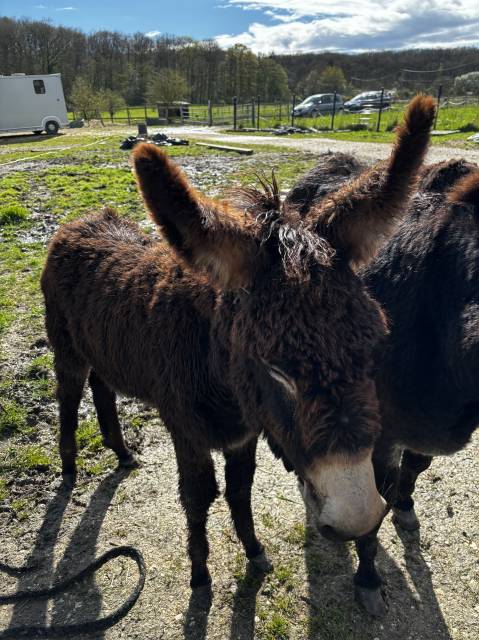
(319, 104)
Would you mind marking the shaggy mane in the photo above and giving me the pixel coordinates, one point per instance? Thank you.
(281, 226)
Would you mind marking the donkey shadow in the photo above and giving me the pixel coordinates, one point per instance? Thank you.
(67, 607)
(242, 624)
(333, 611)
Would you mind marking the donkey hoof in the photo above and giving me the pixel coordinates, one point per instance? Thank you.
(261, 562)
(371, 600)
(407, 520)
(128, 462)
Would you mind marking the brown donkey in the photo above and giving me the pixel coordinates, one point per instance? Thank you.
(245, 323)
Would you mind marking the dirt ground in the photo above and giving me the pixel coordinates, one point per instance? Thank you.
(431, 577)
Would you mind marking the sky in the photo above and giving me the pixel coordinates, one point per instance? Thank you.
(282, 26)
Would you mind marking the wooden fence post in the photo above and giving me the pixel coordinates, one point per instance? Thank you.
(128, 114)
(292, 110)
(258, 103)
(253, 119)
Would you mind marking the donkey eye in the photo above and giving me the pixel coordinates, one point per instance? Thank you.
(280, 376)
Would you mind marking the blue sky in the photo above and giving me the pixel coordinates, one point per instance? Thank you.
(274, 25)
(198, 18)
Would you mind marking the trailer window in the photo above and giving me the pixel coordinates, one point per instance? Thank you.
(39, 86)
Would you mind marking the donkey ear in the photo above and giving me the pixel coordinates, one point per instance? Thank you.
(202, 232)
(358, 218)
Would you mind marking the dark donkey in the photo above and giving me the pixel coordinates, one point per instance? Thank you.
(247, 323)
(426, 279)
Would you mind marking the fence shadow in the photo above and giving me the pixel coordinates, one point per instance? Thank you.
(334, 613)
(67, 607)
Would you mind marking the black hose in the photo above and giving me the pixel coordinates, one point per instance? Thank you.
(90, 626)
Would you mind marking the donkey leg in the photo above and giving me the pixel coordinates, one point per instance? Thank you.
(105, 404)
(239, 472)
(198, 490)
(71, 375)
(367, 582)
(411, 466)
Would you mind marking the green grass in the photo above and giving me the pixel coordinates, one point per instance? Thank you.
(93, 458)
(20, 268)
(22, 508)
(12, 418)
(276, 627)
(12, 214)
(25, 458)
(88, 437)
(297, 535)
(40, 366)
(3, 490)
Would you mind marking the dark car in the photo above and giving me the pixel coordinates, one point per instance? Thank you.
(368, 100)
(317, 105)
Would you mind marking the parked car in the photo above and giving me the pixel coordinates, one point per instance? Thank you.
(368, 100)
(317, 105)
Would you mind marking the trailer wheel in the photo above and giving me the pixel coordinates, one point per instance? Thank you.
(51, 127)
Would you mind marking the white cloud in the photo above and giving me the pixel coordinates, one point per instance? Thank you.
(67, 9)
(39, 6)
(356, 25)
(152, 34)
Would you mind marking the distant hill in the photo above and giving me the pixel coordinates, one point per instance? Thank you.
(375, 69)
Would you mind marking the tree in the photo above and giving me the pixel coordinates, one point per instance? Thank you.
(272, 80)
(328, 80)
(84, 99)
(240, 73)
(467, 83)
(167, 86)
(110, 101)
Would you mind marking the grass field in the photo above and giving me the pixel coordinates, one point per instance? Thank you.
(464, 118)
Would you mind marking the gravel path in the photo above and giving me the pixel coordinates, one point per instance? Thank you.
(367, 151)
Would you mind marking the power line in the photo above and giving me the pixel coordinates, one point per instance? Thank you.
(440, 70)
(437, 71)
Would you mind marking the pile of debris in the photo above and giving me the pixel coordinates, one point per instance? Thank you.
(286, 131)
(160, 139)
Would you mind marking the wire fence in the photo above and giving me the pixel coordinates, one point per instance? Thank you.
(455, 113)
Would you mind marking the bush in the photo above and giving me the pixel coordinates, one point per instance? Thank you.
(12, 214)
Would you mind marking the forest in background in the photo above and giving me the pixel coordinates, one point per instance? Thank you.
(130, 65)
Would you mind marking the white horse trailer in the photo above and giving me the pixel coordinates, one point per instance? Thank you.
(32, 103)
